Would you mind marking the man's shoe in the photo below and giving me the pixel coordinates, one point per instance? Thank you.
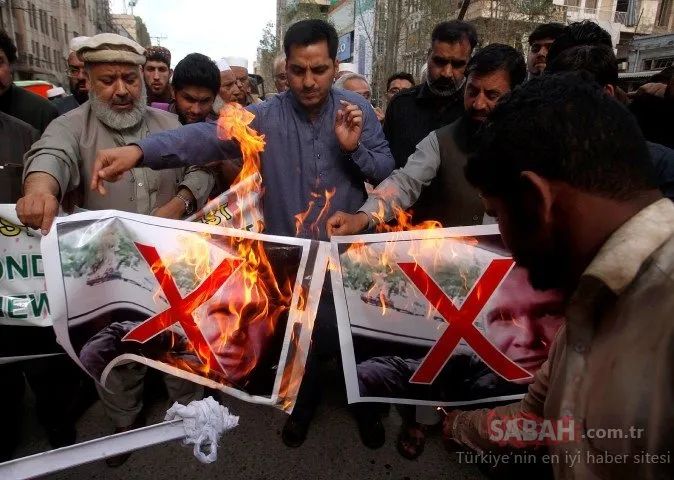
(61, 436)
(294, 432)
(372, 432)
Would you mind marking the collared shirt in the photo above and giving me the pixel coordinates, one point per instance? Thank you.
(413, 114)
(303, 169)
(16, 137)
(67, 151)
(611, 367)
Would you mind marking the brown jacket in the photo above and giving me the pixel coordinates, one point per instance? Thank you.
(611, 368)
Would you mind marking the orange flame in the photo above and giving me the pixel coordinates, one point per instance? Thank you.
(241, 319)
(426, 250)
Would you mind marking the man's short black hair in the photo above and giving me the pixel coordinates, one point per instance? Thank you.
(579, 33)
(598, 60)
(7, 46)
(545, 31)
(308, 32)
(399, 76)
(454, 31)
(197, 70)
(564, 128)
(499, 57)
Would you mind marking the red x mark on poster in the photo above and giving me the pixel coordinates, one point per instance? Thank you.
(461, 323)
(181, 309)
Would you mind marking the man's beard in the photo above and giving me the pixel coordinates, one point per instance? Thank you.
(472, 126)
(444, 87)
(80, 95)
(119, 120)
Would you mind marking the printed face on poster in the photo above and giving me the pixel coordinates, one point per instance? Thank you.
(439, 317)
(228, 309)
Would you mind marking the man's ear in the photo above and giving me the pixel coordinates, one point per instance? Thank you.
(610, 90)
(539, 192)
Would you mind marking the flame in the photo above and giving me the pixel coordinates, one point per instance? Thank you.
(431, 253)
(313, 231)
(242, 317)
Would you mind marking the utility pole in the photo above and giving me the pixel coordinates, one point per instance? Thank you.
(158, 38)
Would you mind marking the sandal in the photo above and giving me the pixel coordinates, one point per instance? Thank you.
(411, 441)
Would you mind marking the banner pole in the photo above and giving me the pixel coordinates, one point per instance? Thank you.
(98, 449)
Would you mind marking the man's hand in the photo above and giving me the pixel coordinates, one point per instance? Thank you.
(653, 89)
(451, 444)
(342, 223)
(38, 210)
(112, 163)
(174, 208)
(348, 126)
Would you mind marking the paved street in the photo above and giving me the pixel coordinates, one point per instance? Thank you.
(254, 451)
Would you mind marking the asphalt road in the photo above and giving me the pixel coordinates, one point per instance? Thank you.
(254, 451)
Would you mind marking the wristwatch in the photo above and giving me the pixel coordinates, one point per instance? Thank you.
(189, 206)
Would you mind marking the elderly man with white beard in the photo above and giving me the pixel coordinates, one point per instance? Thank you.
(62, 161)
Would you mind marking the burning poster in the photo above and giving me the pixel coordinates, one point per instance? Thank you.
(226, 308)
(439, 317)
(239, 207)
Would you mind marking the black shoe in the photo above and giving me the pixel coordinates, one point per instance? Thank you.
(295, 432)
(117, 460)
(372, 433)
(61, 436)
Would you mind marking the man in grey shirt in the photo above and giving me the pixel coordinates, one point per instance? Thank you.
(432, 180)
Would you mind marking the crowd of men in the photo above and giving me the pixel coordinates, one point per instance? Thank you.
(578, 174)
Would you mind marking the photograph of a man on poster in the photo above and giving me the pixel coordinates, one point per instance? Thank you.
(520, 321)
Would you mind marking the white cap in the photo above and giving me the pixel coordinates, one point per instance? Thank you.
(348, 67)
(55, 92)
(223, 65)
(237, 62)
(76, 43)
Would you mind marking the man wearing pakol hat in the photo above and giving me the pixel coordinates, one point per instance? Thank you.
(76, 78)
(157, 73)
(239, 66)
(62, 160)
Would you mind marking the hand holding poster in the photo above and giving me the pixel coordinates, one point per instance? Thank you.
(449, 316)
(225, 308)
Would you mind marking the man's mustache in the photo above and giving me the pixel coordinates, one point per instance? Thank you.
(444, 83)
(121, 101)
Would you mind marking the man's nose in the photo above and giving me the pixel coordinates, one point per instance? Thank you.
(448, 71)
(525, 334)
(480, 102)
(308, 81)
(121, 89)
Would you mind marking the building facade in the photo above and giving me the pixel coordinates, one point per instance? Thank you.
(42, 30)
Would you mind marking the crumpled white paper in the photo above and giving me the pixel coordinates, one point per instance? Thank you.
(205, 421)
